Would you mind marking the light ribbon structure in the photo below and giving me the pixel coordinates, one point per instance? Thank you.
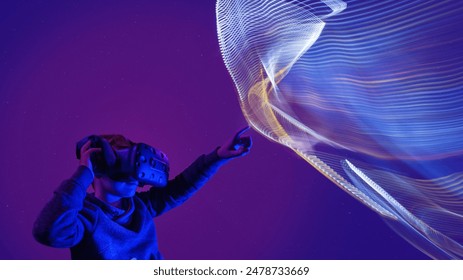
(370, 93)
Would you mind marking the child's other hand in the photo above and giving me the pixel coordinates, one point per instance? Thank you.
(85, 153)
(236, 147)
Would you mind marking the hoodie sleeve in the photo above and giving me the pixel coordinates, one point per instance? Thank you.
(183, 186)
(59, 224)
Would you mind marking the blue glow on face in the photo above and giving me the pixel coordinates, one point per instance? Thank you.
(370, 93)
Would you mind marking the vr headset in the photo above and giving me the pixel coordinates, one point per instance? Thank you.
(140, 162)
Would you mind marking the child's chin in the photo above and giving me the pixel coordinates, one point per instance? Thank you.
(130, 193)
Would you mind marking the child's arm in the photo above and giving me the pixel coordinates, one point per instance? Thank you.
(59, 223)
(195, 176)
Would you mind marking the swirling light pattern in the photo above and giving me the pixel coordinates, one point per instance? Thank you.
(369, 93)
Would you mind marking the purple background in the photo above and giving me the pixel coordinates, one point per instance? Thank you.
(152, 70)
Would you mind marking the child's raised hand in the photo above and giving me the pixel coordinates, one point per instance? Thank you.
(237, 146)
(85, 153)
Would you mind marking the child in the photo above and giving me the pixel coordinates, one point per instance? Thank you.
(116, 222)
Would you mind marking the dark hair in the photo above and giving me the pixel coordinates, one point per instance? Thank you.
(118, 141)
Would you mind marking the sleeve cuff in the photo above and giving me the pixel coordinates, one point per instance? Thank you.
(213, 159)
(74, 190)
(83, 176)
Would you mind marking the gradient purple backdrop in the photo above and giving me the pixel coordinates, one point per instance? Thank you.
(152, 70)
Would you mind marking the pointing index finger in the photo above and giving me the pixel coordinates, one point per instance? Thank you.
(238, 134)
